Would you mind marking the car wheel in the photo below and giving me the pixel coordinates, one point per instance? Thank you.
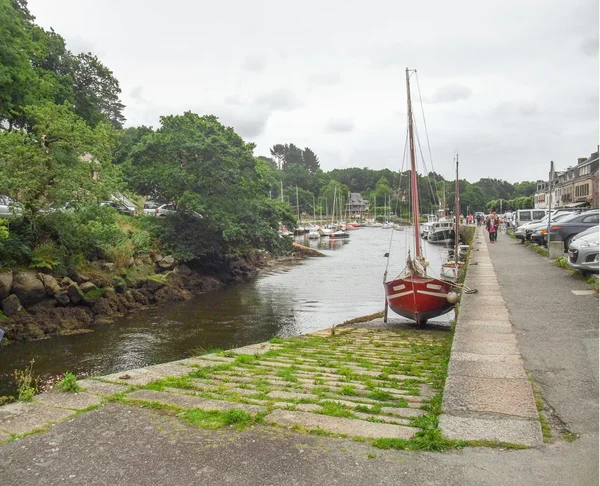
(568, 242)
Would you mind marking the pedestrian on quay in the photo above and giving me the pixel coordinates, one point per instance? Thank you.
(492, 226)
(478, 218)
(470, 219)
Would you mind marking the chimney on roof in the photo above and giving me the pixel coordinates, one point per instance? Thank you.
(581, 160)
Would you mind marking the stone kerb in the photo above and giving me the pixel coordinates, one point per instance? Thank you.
(487, 395)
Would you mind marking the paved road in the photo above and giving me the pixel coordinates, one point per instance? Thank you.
(558, 338)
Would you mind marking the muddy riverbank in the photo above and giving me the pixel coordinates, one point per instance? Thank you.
(38, 305)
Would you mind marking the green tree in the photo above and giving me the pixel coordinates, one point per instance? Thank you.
(60, 159)
(201, 165)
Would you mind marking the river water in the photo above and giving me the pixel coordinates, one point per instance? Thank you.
(312, 295)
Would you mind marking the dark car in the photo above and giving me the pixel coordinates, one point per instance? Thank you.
(566, 229)
(120, 207)
(536, 229)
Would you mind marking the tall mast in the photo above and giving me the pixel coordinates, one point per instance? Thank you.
(413, 168)
(456, 213)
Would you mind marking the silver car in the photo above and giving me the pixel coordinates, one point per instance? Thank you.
(9, 208)
(583, 253)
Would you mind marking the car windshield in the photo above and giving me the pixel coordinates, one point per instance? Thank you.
(150, 205)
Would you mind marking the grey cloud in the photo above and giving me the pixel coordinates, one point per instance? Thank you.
(136, 94)
(451, 92)
(255, 64)
(339, 125)
(590, 46)
(246, 124)
(324, 79)
(279, 99)
(523, 108)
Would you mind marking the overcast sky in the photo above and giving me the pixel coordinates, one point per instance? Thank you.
(511, 84)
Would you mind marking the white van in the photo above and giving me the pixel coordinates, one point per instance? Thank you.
(524, 216)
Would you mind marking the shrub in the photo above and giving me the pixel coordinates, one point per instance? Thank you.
(68, 383)
(46, 255)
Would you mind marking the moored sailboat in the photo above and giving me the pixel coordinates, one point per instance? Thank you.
(415, 294)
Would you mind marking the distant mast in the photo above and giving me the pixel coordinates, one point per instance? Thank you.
(413, 168)
(457, 213)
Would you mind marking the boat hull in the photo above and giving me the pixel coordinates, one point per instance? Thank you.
(418, 298)
(442, 237)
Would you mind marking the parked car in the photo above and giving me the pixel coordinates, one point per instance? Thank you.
(165, 210)
(525, 216)
(566, 229)
(168, 209)
(530, 229)
(583, 253)
(119, 206)
(521, 231)
(592, 230)
(150, 208)
(9, 208)
(68, 206)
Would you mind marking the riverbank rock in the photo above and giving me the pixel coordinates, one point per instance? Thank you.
(28, 288)
(75, 294)
(166, 263)
(50, 283)
(171, 294)
(183, 270)
(62, 297)
(11, 305)
(6, 281)
(87, 286)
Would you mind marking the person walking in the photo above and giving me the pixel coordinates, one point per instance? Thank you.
(492, 227)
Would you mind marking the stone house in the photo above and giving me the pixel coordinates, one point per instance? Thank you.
(573, 187)
(356, 205)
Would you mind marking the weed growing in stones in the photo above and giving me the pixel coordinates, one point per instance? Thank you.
(335, 410)
(26, 383)
(68, 383)
(381, 395)
(245, 359)
(348, 390)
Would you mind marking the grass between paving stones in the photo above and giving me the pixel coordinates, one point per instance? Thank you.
(362, 367)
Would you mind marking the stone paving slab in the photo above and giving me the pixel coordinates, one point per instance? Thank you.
(385, 418)
(74, 401)
(259, 348)
(483, 369)
(283, 395)
(485, 395)
(480, 313)
(525, 432)
(140, 376)
(338, 425)
(487, 326)
(483, 347)
(188, 401)
(101, 388)
(487, 358)
(171, 369)
(468, 335)
(19, 417)
(404, 412)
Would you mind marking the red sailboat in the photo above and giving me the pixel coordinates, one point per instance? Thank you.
(414, 294)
